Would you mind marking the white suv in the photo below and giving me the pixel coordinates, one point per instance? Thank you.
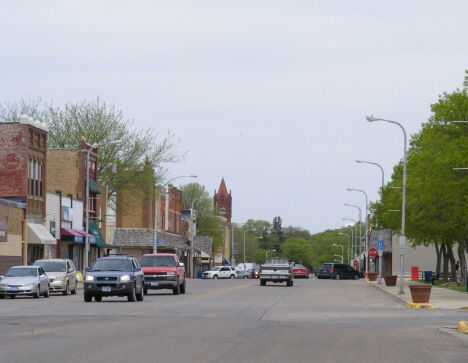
(220, 272)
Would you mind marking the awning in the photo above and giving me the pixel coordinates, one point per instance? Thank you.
(94, 230)
(93, 187)
(69, 234)
(3, 232)
(39, 235)
(92, 239)
(226, 262)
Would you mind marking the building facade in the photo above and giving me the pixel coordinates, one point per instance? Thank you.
(223, 201)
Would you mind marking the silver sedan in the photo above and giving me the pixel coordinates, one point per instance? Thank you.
(24, 280)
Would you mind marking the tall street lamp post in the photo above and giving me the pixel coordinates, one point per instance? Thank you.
(155, 246)
(342, 249)
(403, 202)
(244, 244)
(367, 228)
(91, 147)
(193, 234)
(352, 236)
(360, 233)
(353, 246)
(266, 255)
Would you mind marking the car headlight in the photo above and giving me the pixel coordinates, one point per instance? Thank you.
(60, 278)
(124, 278)
(89, 278)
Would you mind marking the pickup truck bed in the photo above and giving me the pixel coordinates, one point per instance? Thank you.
(276, 269)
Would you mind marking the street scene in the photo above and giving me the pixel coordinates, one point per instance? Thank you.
(245, 181)
(317, 320)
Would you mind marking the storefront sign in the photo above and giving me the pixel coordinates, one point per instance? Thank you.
(3, 232)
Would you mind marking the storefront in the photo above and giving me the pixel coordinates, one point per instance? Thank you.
(100, 242)
(41, 244)
(73, 245)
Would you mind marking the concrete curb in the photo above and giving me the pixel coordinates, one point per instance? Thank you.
(419, 306)
(394, 297)
(463, 327)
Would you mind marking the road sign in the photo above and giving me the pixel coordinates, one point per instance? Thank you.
(372, 253)
(380, 253)
(402, 249)
(380, 245)
(235, 253)
(355, 263)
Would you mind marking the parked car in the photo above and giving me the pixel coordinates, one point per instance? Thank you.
(299, 271)
(337, 271)
(114, 275)
(61, 274)
(163, 271)
(24, 280)
(220, 272)
(243, 274)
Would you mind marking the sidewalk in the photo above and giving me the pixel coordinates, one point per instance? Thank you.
(441, 298)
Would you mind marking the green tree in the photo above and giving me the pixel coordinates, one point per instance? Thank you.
(99, 122)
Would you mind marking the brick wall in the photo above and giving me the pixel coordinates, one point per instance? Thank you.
(63, 171)
(15, 219)
(8, 261)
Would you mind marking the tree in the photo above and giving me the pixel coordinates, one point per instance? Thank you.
(100, 122)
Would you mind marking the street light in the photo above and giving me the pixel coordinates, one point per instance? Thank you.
(353, 246)
(403, 202)
(352, 237)
(360, 232)
(244, 243)
(192, 230)
(155, 247)
(367, 227)
(370, 162)
(91, 147)
(269, 251)
(342, 249)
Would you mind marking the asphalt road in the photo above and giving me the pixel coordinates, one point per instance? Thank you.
(232, 321)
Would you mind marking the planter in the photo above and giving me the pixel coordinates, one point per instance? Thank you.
(420, 293)
(390, 280)
(372, 276)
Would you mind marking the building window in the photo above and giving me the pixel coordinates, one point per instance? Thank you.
(40, 180)
(36, 177)
(100, 216)
(29, 178)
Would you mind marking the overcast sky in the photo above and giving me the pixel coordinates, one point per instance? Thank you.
(270, 95)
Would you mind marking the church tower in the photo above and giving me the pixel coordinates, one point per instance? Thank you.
(223, 201)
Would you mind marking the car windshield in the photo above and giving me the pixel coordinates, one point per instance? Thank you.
(107, 264)
(216, 268)
(21, 272)
(153, 261)
(52, 266)
(299, 266)
(276, 261)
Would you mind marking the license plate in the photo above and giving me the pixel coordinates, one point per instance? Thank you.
(154, 284)
(106, 288)
(14, 289)
(274, 277)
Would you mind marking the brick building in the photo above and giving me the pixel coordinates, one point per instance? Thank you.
(223, 201)
(67, 172)
(12, 233)
(23, 175)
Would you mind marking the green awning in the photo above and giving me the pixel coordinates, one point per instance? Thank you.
(94, 230)
(93, 187)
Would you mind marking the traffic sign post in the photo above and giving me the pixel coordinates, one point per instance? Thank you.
(380, 248)
(372, 253)
(355, 263)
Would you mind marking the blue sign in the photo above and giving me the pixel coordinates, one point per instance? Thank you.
(235, 253)
(159, 240)
(380, 245)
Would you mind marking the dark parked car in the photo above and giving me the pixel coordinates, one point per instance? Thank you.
(114, 275)
(337, 271)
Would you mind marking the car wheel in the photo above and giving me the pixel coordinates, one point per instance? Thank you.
(232, 277)
(262, 283)
(67, 290)
(12, 296)
(337, 277)
(98, 298)
(176, 290)
(215, 277)
(38, 293)
(87, 297)
(132, 296)
(356, 277)
(245, 277)
(75, 289)
(47, 293)
(141, 295)
(145, 291)
(183, 287)
(292, 283)
(2, 297)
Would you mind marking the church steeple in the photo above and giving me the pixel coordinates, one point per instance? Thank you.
(223, 201)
